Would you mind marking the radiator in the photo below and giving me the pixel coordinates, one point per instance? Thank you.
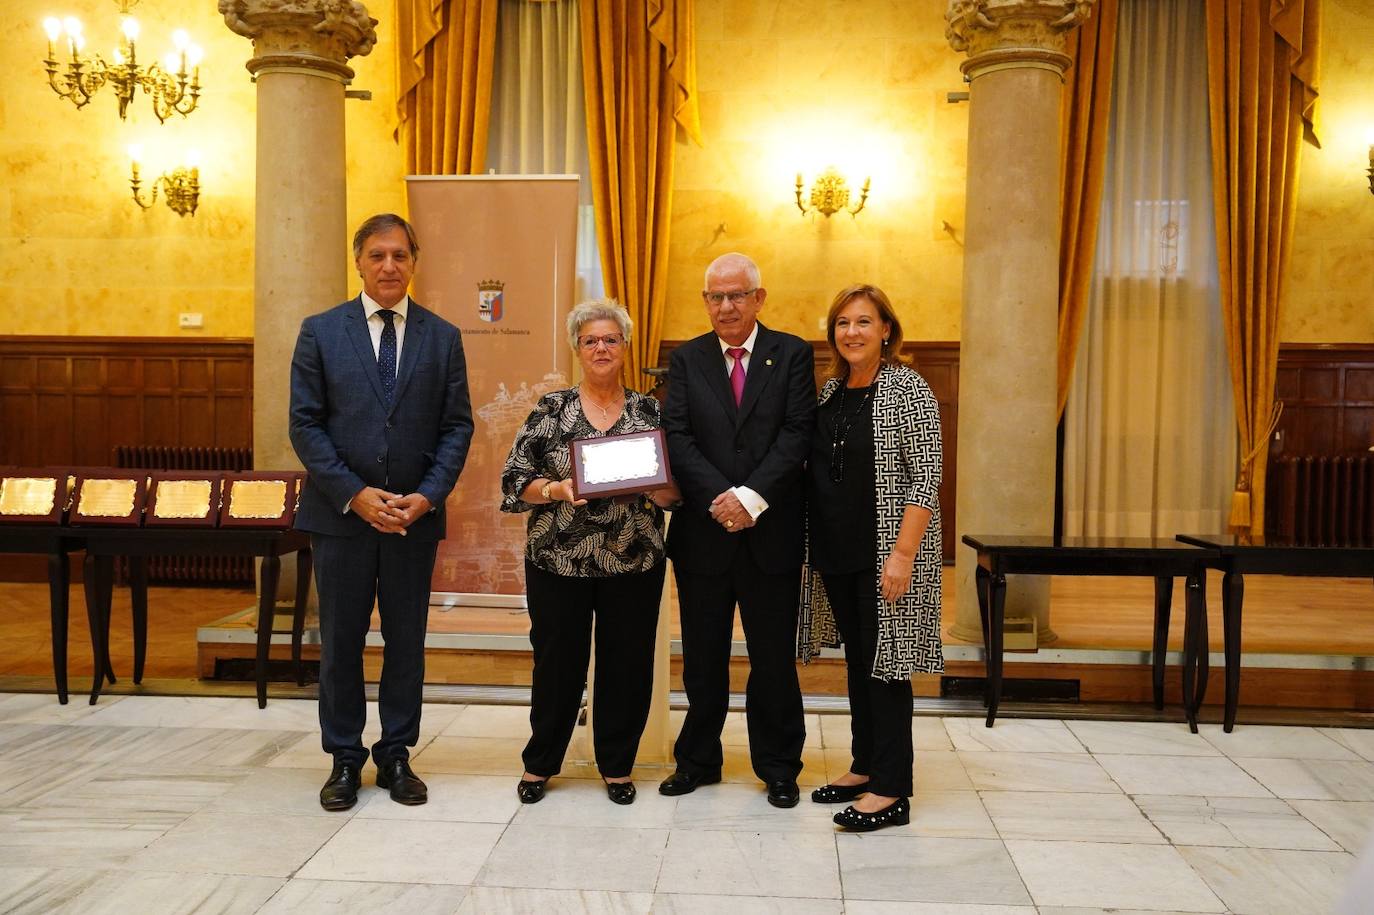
(235, 570)
(1323, 500)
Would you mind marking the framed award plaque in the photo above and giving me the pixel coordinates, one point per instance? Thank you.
(34, 496)
(619, 465)
(262, 498)
(114, 499)
(182, 499)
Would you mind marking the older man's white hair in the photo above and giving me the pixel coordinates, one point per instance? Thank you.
(598, 310)
(734, 260)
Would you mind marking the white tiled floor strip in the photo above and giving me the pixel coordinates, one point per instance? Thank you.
(176, 805)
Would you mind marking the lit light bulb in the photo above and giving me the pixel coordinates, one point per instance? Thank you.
(130, 28)
(180, 39)
(53, 26)
(194, 55)
(79, 42)
(118, 56)
(72, 25)
(194, 159)
(172, 62)
(136, 152)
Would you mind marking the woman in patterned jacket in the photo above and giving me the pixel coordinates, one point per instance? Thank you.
(600, 559)
(872, 579)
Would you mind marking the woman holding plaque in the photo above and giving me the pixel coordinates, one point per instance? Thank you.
(872, 580)
(588, 562)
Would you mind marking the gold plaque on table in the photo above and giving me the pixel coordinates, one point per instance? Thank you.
(28, 496)
(107, 498)
(263, 500)
(182, 498)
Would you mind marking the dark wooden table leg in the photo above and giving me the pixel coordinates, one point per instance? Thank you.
(1232, 596)
(1164, 597)
(105, 566)
(138, 597)
(996, 620)
(303, 569)
(981, 583)
(1190, 649)
(99, 585)
(267, 606)
(58, 582)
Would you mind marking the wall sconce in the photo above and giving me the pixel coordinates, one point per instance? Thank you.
(830, 194)
(174, 87)
(1370, 172)
(180, 187)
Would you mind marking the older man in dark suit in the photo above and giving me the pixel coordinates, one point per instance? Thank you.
(739, 416)
(380, 418)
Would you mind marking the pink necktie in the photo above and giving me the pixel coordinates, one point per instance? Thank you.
(737, 373)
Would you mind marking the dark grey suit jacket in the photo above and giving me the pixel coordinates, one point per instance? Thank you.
(348, 438)
(762, 444)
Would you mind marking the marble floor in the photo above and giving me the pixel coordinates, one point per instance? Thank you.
(159, 804)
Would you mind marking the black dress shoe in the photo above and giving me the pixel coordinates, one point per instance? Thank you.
(405, 786)
(838, 794)
(531, 792)
(686, 782)
(341, 791)
(783, 794)
(898, 813)
(621, 792)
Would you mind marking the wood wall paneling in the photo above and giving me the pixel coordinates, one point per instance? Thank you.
(1328, 399)
(71, 400)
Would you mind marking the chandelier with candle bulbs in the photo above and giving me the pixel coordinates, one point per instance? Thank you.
(174, 86)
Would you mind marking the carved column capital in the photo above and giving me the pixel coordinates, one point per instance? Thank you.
(1000, 34)
(310, 35)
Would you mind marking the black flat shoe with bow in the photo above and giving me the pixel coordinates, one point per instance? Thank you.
(621, 792)
(531, 792)
(898, 813)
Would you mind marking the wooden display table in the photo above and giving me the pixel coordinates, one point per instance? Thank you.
(1240, 554)
(1160, 559)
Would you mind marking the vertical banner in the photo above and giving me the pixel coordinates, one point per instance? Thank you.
(497, 259)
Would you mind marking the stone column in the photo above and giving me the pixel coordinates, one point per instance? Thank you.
(1015, 66)
(301, 233)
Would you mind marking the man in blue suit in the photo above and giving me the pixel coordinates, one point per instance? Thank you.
(380, 418)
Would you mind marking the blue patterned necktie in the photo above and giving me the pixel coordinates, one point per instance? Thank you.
(386, 353)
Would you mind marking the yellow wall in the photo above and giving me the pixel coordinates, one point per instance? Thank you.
(77, 256)
(1330, 297)
(786, 85)
(794, 85)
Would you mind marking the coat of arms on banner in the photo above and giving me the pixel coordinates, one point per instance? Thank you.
(491, 304)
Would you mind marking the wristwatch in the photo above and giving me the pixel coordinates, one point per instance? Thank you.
(544, 491)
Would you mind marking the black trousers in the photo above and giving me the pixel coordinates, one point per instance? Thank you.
(351, 574)
(563, 609)
(773, 705)
(879, 710)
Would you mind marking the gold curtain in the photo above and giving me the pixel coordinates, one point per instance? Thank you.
(445, 53)
(639, 79)
(1262, 58)
(1086, 122)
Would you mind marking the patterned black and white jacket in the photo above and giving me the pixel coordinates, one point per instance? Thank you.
(906, 438)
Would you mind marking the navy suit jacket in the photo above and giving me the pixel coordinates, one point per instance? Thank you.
(762, 444)
(348, 438)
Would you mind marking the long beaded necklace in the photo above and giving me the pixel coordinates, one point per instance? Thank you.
(842, 426)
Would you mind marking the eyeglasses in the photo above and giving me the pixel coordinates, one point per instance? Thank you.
(612, 341)
(716, 298)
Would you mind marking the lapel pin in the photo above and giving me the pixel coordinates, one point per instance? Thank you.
(768, 362)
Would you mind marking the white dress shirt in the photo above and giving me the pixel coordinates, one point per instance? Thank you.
(753, 503)
(375, 325)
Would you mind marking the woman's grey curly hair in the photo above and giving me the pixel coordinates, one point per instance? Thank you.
(598, 310)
